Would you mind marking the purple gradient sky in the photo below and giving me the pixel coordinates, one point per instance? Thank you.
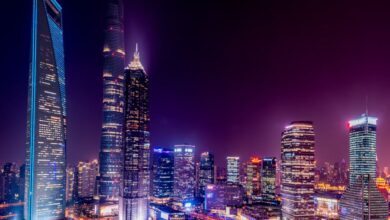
(226, 77)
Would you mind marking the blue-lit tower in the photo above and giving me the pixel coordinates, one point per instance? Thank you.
(46, 119)
(162, 174)
(111, 139)
(135, 186)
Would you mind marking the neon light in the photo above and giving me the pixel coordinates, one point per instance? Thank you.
(363, 120)
(32, 110)
(56, 4)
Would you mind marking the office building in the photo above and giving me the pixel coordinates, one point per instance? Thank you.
(268, 179)
(252, 181)
(362, 147)
(110, 158)
(233, 169)
(298, 171)
(86, 178)
(71, 184)
(327, 205)
(10, 184)
(184, 176)
(162, 212)
(219, 196)
(46, 117)
(162, 174)
(134, 198)
(206, 171)
(362, 200)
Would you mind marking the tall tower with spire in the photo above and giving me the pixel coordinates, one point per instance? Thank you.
(133, 204)
(110, 156)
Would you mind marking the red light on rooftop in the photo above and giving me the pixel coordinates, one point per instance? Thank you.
(255, 160)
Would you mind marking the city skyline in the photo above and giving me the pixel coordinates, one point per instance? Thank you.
(182, 120)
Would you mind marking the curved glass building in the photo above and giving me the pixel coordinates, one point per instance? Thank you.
(46, 120)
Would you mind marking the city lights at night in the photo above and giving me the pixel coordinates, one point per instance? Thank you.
(195, 110)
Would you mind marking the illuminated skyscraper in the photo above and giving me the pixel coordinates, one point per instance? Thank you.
(233, 169)
(362, 199)
(46, 120)
(252, 177)
(111, 140)
(163, 174)
(134, 200)
(268, 179)
(71, 186)
(206, 171)
(298, 167)
(362, 147)
(184, 185)
(86, 178)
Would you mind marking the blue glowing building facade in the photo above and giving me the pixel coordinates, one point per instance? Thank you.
(135, 187)
(162, 174)
(111, 140)
(46, 120)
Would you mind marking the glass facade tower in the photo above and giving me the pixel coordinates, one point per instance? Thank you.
(298, 171)
(184, 175)
(362, 147)
(362, 199)
(46, 120)
(206, 171)
(268, 179)
(110, 159)
(163, 174)
(233, 169)
(134, 197)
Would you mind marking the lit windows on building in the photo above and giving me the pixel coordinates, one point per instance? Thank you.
(233, 169)
(46, 122)
(362, 147)
(327, 205)
(268, 179)
(134, 196)
(162, 174)
(298, 171)
(184, 175)
(110, 158)
(86, 178)
(206, 171)
(252, 177)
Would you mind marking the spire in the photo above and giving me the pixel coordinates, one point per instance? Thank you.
(136, 64)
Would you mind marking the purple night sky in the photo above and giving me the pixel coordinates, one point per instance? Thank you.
(226, 77)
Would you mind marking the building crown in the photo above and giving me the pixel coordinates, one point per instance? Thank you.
(136, 64)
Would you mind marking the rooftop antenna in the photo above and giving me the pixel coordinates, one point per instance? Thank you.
(367, 105)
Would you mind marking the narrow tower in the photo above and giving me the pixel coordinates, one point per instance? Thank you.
(46, 119)
(362, 199)
(112, 126)
(134, 202)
